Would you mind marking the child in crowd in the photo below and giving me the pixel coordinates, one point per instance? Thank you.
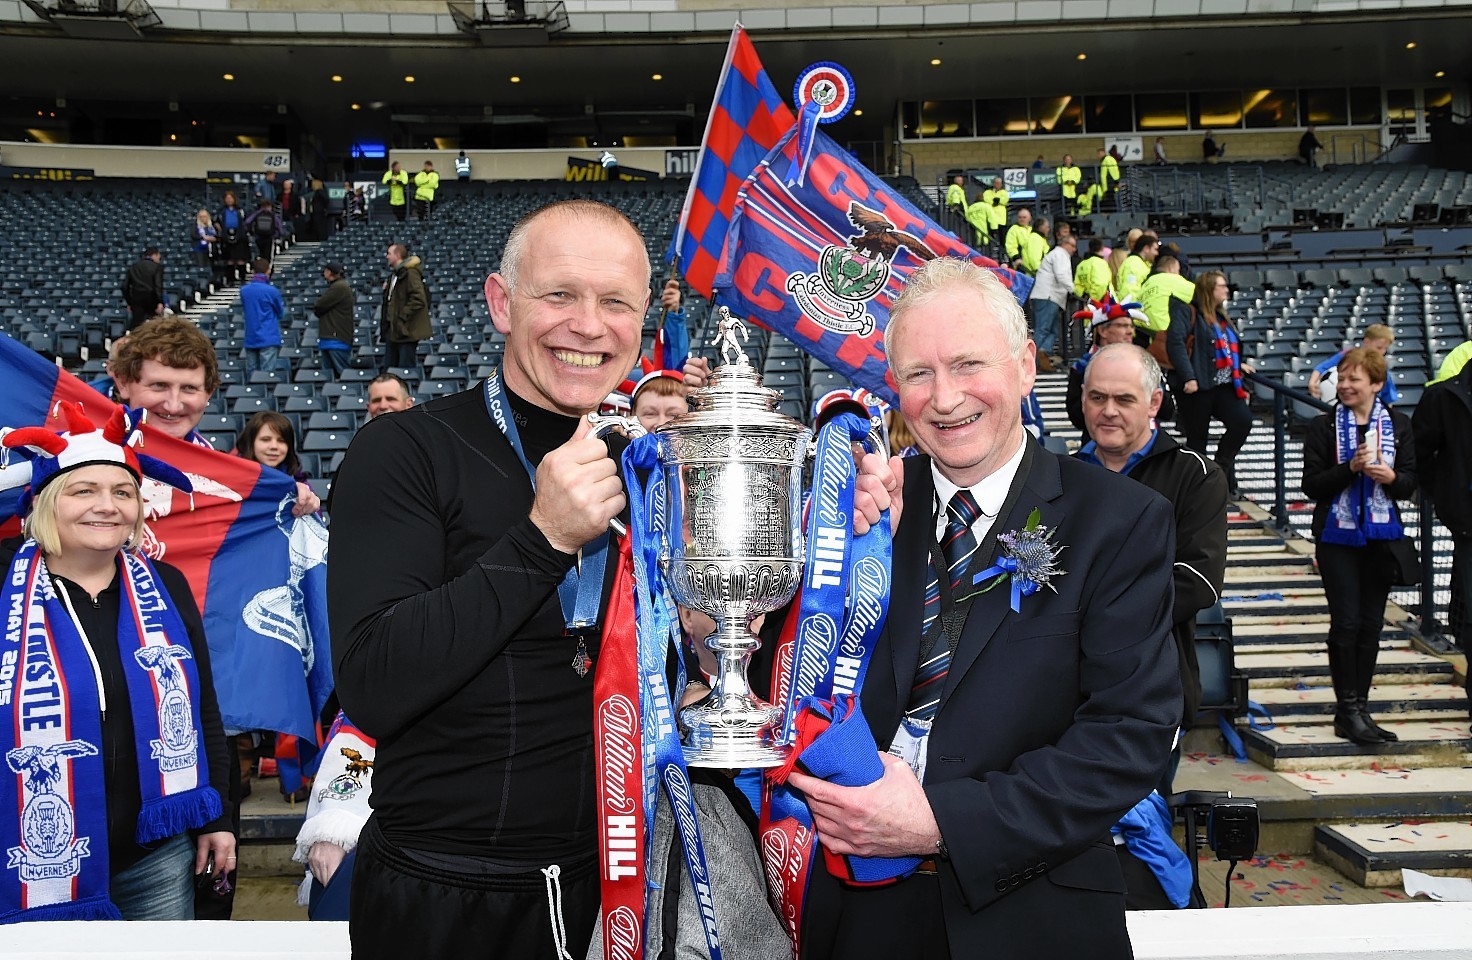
(269, 439)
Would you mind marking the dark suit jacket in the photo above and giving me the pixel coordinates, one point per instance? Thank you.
(1054, 721)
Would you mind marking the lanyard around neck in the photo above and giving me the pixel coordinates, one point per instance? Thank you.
(581, 591)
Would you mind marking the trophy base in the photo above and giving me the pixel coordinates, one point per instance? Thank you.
(731, 733)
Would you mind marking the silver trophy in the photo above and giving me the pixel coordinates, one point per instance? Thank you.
(734, 548)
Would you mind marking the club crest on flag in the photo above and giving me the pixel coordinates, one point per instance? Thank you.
(837, 296)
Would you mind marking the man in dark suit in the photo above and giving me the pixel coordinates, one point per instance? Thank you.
(1026, 734)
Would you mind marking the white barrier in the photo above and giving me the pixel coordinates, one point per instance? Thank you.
(1403, 931)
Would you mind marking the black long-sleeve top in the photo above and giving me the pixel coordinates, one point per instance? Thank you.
(1324, 478)
(98, 617)
(448, 640)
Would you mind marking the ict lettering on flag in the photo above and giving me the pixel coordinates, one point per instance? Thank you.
(821, 262)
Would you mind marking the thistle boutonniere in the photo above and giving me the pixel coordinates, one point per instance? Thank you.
(1029, 561)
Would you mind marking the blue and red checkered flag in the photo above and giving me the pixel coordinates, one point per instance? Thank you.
(821, 262)
(258, 575)
(747, 118)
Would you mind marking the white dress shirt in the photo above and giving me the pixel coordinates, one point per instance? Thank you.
(989, 494)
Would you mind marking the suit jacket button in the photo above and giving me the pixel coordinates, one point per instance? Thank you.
(1001, 886)
(1016, 879)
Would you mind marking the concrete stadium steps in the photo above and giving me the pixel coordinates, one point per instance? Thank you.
(1313, 746)
(1389, 699)
(266, 817)
(226, 297)
(1373, 854)
(1284, 669)
(1319, 795)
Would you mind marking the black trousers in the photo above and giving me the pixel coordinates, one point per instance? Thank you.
(403, 908)
(401, 210)
(140, 312)
(1356, 585)
(1459, 612)
(1196, 410)
(903, 920)
(401, 353)
(209, 903)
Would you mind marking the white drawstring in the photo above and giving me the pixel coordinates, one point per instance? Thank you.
(554, 909)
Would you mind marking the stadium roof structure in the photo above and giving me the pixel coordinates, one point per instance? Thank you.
(614, 70)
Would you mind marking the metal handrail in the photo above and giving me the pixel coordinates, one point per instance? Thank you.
(1282, 393)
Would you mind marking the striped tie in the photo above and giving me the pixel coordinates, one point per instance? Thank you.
(957, 546)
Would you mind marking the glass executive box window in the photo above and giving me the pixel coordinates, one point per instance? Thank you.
(1438, 102)
(910, 120)
(1270, 108)
(1113, 113)
(1364, 105)
(1001, 118)
(1216, 110)
(946, 118)
(1057, 114)
(1163, 112)
(1160, 111)
(1327, 107)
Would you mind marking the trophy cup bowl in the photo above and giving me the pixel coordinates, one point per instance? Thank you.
(733, 472)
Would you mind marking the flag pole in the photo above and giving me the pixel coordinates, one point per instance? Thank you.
(674, 252)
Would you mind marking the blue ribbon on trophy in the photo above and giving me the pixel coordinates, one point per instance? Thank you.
(836, 633)
(664, 759)
(847, 581)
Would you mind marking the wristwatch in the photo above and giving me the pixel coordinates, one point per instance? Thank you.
(941, 851)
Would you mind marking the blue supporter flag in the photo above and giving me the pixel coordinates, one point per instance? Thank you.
(821, 261)
(747, 118)
(258, 575)
(672, 342)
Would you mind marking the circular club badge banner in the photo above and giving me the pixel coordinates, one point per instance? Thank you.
(829, 86)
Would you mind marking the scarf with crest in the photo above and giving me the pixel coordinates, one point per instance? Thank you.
(1363, 510)
(53, 808)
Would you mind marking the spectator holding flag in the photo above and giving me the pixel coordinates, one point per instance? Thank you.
(1378, 338)
(138, 775)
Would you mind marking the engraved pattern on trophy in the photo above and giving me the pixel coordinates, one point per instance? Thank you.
(734, 547)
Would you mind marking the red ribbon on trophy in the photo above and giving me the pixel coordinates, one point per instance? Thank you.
(618, 762)
(787, 843)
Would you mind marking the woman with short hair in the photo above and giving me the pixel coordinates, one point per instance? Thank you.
(1357, 461)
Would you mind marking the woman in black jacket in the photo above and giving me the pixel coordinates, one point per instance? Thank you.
(1357, 461)
(1204, 349)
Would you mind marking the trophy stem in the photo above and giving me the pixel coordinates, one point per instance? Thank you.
(731, 727)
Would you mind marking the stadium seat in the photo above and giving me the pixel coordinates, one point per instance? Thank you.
(250, 406)
(320, 441)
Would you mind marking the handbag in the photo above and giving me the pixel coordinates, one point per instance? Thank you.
(1402, 561)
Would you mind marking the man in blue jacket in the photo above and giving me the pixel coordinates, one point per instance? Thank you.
(264, 310)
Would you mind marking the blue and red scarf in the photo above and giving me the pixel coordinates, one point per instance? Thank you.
(53, 809)
(1229, 354)
(1363, 510)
